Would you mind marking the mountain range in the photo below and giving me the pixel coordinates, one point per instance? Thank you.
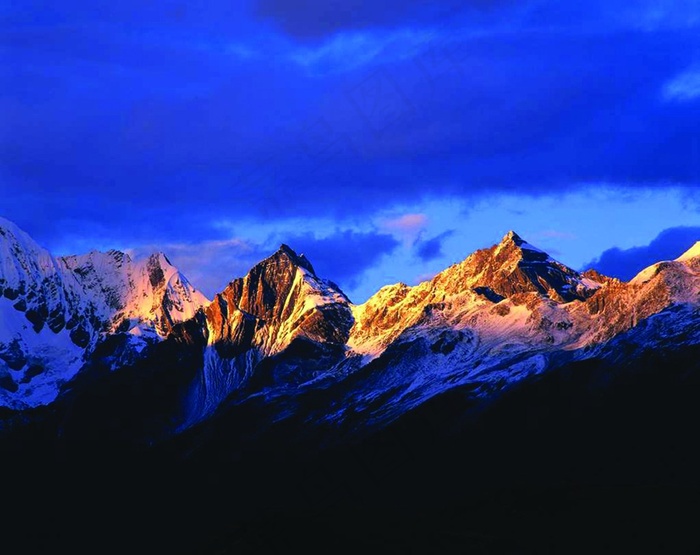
(507, 368)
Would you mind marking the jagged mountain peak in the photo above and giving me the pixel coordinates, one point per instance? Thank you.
(503, 314)
(514, 246)
(119, 255)
(7, 225)
(285, 252)
(512, 236)
(513, 272)
(265, 290)
(160, 258)
(515, 266)
(279, 305)
(95, 260)
(22, 260)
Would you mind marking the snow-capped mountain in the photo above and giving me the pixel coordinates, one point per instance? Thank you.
(508, 368)
(512, 271)
(54, 311)
(281, 304)
(281, 334)
(502, 315)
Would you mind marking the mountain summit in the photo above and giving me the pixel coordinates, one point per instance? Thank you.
(515, 266)
(279, 305)
(286, 299)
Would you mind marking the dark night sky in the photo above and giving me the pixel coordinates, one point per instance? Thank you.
(386, 140)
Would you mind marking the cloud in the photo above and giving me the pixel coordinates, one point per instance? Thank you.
(345, 255)
(407, 223)
(523, 113)
(652, 15)
(683, 87)
(407, 228)
(311, 19)
(348, 50)
(431, 249)
(626, 263)
(154, 132)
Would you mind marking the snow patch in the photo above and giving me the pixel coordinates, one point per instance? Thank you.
(692, 252)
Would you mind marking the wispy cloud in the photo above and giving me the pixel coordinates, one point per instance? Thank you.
(407, 227)
(683, 87)
(346, 51)
(346, 48)
(407, 223)
(655, 15)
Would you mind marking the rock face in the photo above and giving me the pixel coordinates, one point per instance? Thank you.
(284, 299)
(514, 266)
(279, 305)
(489, 281)
(150, 294)
(285, 337)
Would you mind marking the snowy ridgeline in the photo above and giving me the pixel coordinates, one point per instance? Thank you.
(504, 313)
(501, 315)
(53, 310)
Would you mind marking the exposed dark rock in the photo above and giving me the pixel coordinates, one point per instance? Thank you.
(501, 309)
(32, 371)
(72, 321)
(240, 336)
(13, 354)
(330, 324)
(35, 318)
(192, 332)
(303, 360)
(263, 291)
(56, 321)
(489, 293)
(7, 382)
(11, 293)
(80, 336)
(155, 272)
(82, 271)
(447, 341)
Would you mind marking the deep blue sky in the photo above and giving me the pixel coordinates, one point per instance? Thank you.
(386, 140)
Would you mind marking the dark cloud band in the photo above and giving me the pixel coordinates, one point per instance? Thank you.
(626, 263)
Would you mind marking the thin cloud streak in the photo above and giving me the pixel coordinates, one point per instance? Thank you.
(684, 87)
